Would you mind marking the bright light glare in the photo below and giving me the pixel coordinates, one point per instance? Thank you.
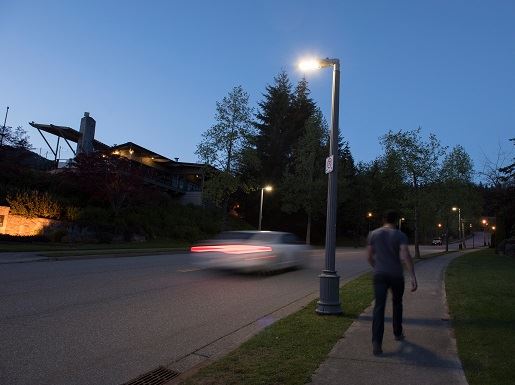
(310, 65)
(454, 208)
(268, 188)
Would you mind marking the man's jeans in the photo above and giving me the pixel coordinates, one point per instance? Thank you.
(382, 283)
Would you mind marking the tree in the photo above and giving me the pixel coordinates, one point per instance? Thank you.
(304, 180)
(418, 162)
(17, 138)
(273, 137)
(222, 145)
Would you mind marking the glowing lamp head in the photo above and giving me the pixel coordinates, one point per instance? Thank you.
(268, 188)
(454, 208)
(310, 65)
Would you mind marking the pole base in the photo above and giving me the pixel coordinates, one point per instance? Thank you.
(329, 303)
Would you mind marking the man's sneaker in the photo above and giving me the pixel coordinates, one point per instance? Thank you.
(400, 337)
(376, 348)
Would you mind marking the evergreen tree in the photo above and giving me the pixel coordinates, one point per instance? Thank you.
(305, 184)
(273, 139)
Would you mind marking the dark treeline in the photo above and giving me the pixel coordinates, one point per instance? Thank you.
(284, 143)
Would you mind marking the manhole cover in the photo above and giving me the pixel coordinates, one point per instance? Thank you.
(157, 376)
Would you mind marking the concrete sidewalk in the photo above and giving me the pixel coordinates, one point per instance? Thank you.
(428, 354)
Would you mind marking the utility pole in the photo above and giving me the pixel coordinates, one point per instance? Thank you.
(2, 134)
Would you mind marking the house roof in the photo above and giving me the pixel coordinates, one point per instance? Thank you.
(68, 134)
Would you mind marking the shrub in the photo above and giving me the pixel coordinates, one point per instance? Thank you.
(33, 204)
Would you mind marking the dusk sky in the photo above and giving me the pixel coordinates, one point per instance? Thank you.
(151, 72)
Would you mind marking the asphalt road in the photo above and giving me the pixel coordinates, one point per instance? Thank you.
(107, 321)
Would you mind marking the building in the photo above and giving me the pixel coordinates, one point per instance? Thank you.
(185, 180)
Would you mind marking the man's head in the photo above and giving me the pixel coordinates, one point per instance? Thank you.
(391, 217)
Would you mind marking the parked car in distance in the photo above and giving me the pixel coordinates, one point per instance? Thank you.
(437, 241)
(251, 251)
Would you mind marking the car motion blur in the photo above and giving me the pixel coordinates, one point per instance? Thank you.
(252, 251)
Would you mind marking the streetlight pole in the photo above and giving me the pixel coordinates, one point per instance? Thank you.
(329, 302)
(267, 188)
(459, 225)
(484, 222)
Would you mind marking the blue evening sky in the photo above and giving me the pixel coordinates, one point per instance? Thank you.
(151, 72)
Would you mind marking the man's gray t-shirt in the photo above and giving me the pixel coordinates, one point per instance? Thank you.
(386, 243)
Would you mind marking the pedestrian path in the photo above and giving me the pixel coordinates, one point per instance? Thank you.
(427, 356)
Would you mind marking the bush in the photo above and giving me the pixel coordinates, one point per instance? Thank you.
(33, 204)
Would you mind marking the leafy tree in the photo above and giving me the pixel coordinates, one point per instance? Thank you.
(17, 138)
(418, 162)
(304, 180)
(106, 179)
(498, 193)
(223, 144)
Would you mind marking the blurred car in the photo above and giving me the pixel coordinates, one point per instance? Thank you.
(252, 251)
(437, 241)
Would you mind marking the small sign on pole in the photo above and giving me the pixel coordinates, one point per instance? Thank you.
(329, 164)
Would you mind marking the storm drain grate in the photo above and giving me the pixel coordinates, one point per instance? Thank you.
(157, 376)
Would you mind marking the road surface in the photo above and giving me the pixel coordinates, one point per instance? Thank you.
(109, 320)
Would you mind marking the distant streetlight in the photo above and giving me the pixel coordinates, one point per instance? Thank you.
(267, 188)
(369, 217)
(329, 302)
(485, 223)
(400, 222)
(459, 224)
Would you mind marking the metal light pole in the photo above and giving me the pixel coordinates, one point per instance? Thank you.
(459, 225)
(329, 302)
(484, 231)
(267, 188)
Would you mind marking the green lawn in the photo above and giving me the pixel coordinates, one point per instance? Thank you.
(290, 350)
(481, 295)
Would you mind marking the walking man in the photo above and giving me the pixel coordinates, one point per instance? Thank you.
(387, 248)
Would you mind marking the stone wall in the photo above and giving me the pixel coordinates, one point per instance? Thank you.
(19, 225)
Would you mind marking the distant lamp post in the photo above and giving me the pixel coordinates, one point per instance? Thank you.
(400, 222)
(459, 224)
(484, 222)
(329, 302)
(369, 217)
(439, 228)
(266, 188)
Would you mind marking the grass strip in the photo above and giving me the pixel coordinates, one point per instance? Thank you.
(290, 350)
(481, 296)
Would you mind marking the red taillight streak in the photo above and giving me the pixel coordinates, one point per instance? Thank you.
(231, 249)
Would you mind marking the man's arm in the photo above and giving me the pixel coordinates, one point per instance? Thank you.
(406, 259)
(371, 259)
